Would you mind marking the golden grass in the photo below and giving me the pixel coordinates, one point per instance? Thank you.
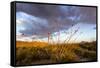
(43, 53)
(30, 44)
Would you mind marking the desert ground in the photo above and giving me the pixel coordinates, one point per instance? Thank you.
(35, 52)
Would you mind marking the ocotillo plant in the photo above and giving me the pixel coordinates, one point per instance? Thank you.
(72, 34)
(48, 37)
(77, 36)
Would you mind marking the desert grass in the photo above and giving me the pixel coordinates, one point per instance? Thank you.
(54, 53)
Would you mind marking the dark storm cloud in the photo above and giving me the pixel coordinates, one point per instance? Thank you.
(88, 14)
(81, 14)
(46, 11)
(58, 17)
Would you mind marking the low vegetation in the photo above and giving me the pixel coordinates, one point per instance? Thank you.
(57, 53)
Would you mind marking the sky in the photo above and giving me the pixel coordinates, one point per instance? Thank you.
(37, 20)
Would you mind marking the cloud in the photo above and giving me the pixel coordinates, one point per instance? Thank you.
(88, 14)
(41, 19)
(46, 11)
(31, 24)
(85, 14)
(34, 25)
(81, 14)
